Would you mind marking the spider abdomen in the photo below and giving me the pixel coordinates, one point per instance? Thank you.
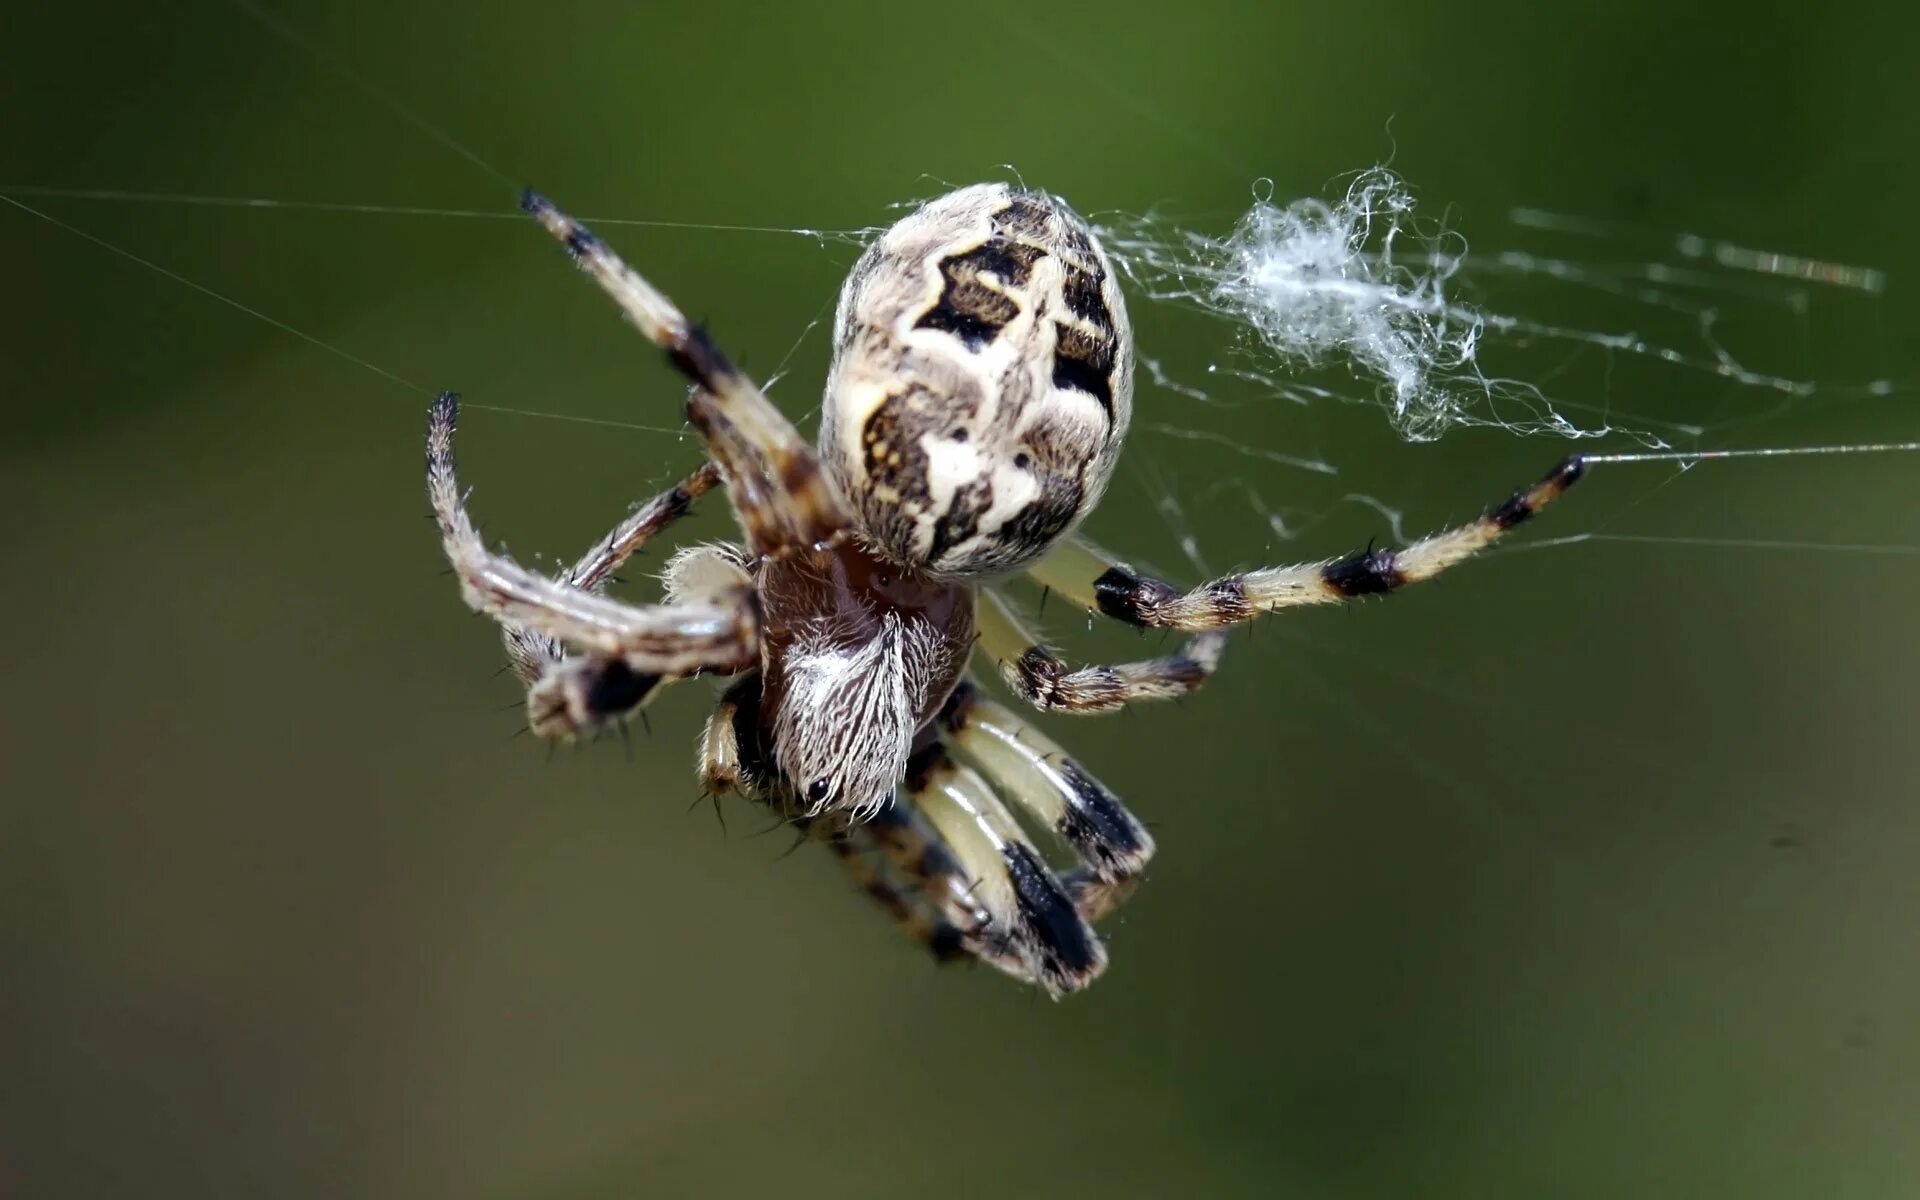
(982, 382)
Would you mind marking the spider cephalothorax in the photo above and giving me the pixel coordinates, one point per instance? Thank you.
(981, 387)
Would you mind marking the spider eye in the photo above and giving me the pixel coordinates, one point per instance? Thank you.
(819, 790)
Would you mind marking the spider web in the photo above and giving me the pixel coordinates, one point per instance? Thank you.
(1354, 300)
(1355, 296)
(1348, 303)
(1362, 283)
(1357, 313)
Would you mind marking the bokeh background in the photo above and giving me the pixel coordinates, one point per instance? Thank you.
(1588, 873)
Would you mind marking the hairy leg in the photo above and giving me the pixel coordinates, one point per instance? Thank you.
(721, 635)
(1093, 580)
(1035, 931)
(532, 655)
(895, 857)
(1044, 680)
(1035, 773)
(775, 480)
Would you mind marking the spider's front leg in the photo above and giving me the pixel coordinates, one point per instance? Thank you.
(568, 695)
(1093, 580)
(532, 655)
(624, 650)
(773, 476)
(581, 694)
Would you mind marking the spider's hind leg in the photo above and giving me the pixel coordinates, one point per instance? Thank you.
(1112, 845)
(1035, 930)
(895, 857)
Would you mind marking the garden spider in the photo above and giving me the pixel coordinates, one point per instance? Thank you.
(981, 385)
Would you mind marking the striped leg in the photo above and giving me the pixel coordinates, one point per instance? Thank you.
(1034, 772)
(915, 851)
(895, 856)
(946, 860)
(723, 769)
(860, 854)
(531, 655)
(570, 695)
(1088, 578)
(1043, 679)
(922, 864)
(1034, 931)
(581, 694)
(773, 476)
(721, 634)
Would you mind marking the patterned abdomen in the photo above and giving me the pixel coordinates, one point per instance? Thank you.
(982, 382)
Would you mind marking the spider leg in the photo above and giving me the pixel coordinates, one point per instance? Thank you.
(723, 768)
(1043, 679)
(856, 850)
(914, 850)
(895, 857)
(532, 655)
(960, 875)
(720, 634)
(579, 694)
(773, 475)
(1092, 579)
(644, 523)
(1035, 931)
(1029, 768)
(568, 695)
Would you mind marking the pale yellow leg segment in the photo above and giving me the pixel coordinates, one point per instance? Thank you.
(532, 655)
(1036, 773)
(1044, 680)
(1093, 580)
(676, 639)
(1035, 930)
(744, 431)
(859, 853)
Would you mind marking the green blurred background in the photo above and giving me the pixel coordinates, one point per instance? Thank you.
(1589, 872)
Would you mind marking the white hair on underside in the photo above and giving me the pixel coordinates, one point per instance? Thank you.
(848, 716)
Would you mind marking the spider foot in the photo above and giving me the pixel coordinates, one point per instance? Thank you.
(581, 696)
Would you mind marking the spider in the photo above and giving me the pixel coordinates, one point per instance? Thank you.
(981, 386)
